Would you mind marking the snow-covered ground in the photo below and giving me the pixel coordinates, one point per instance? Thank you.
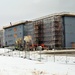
(4, 50)
(11, 64)
(19, 66)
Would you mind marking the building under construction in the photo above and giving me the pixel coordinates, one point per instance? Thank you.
(55, 31)
(52, 31)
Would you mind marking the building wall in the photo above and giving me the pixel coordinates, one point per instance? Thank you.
(52, 31)
(29, 30)
(38, 31)
(12, 33)
(69, 25)
(48, 34)
(1, 38)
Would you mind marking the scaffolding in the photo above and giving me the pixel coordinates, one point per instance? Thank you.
(38, 29)
(48, 31)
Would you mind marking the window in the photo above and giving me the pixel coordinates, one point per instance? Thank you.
(10, 41)
(15, 35)
(15, 29)
(9, 29)
(20, 32)
(10, 35)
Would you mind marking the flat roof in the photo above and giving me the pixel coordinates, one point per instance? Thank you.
(51, 15)
(16, 24)
(56, 14)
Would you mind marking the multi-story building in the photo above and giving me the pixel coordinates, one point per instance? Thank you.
(1, 38)
(13, 32)
(54, 31)
(16, 31)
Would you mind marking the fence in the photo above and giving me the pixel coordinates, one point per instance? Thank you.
(43, 56)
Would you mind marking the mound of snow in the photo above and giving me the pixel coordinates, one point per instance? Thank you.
(20, 66)
(3, 50)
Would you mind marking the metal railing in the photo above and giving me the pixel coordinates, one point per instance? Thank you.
(46, 56)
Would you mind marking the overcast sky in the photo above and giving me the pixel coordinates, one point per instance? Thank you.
(20, 10)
